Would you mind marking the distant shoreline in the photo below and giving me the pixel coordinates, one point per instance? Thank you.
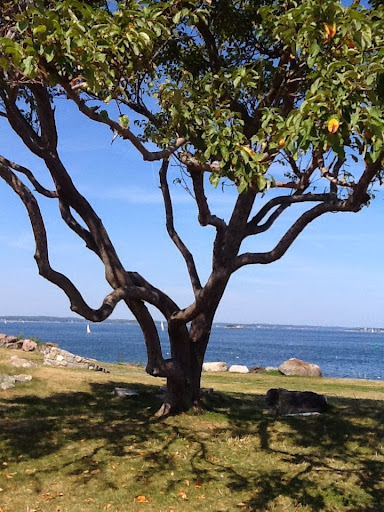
(69, 319)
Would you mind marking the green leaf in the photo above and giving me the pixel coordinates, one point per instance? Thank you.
(124, 121)
(29, 66)
(39, 30)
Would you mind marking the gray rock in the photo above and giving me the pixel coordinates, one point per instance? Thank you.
(6, 378)
(123, 392)
(217, 366)
(7, 381)
(298, 367)
(7, 385)
(19, 362)
(287, 402)
(238, 368)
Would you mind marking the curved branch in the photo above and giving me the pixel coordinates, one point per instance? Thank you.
(77, 303)
(293, 232)
(15, 118)
(125, 133)
(187, 255)
(205, 216)
(72, 223)
(52, 194)
(254, 227)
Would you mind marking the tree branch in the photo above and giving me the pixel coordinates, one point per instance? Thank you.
(125, 133)
(19, 124)
(46, 116)
(187, 255)
(282, 202)
(19, 168)
(205, 216)
(293, 232)
(72, 223)
(77, 303)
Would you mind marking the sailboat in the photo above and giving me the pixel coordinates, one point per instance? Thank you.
(88, 329)
(162, 325)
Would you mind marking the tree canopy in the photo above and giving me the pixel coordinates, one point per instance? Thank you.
(279, 98)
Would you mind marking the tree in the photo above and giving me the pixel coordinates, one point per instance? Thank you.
(280, 99)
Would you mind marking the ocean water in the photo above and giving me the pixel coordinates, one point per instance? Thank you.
(339, 352)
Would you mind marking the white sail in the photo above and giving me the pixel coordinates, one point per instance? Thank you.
(162, 325)
(88, 329)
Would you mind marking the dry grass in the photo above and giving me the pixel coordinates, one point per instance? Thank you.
(68, 444)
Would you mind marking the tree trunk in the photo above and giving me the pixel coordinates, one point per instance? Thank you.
(188, 351)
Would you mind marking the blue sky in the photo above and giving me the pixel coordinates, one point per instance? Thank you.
(332, 275)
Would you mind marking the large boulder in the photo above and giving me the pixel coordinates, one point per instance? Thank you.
(29, 345)
(238, 368)
(295, 402)
(298, 367)
(217, 366)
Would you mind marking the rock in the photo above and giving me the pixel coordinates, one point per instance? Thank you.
(22, 378)
(6, 382)
(54, 356)
(123, 392)
(297, 367)
(238, 368)
(206, 391)
(270, 369)
(217, 366)
(9, 381)
(29, 345)
(7, 385)
(295, 402)
(257, 369)
(21, 363)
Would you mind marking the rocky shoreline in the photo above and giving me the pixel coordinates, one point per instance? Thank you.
(53, 355)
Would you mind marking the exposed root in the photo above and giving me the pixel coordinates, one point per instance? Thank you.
(197, 409)
(164, 411)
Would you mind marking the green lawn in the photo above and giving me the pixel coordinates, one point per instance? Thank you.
(68, 444)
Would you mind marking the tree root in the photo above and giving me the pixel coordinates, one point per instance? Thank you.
(164, 411)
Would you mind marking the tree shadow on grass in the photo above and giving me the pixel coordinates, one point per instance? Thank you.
(305, 460)
(334, 447)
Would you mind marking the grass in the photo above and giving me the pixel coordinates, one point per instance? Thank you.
(68, 444)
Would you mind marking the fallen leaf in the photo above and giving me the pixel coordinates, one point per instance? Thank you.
(182, 495)
(187, 483)
(201, 497)
(197, 485)
(108, 506)
(141, 499)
